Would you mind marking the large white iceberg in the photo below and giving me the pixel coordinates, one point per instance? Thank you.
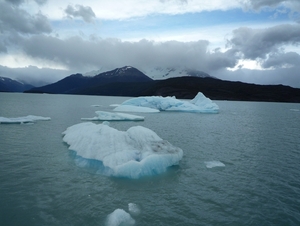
(200, 104)
(133, 153)
(24, 119)
(111, 116)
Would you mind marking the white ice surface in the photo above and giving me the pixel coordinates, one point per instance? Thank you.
(119, 217)
(133, 153)
(212, 164)
(200, 104)
(24, 119)
(131, 108)
(111, 116)
(134, 209)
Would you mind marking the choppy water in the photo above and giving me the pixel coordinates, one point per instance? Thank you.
(40, 183)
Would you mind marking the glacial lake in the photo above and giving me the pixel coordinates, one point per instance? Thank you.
(240, 167)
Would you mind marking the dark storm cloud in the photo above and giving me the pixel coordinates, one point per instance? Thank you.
(81, 54)
(85, 12)
(12, 18)
(258, 43)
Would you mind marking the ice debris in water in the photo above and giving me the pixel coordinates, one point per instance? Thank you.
(24, 119)
(110, 116)
(200, 104)
(134, 153)
(212, 164)
(119, 217)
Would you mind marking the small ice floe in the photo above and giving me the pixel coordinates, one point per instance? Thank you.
(22, 120)
(200, 104)
(134, 209)
(96, 105)
(119, 217)
(212, 164)
(134, 153)
(114, 105)
(131, 108)
(294, 109)
(111, 116)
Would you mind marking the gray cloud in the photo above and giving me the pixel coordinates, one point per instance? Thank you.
(41, 2)
(258, 4)
(285, 76)
(15, 2)
(258, 43)
(12, 18)
(18, 2)
(278, 60)
(33, 75)
(294, 5)
(80, 54)
(85, 12)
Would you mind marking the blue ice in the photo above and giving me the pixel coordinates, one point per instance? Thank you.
(134, 153)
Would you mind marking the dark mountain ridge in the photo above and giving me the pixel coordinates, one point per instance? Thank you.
(128, 81)
(76, 83)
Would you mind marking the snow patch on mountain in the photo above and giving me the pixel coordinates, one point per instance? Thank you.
(158, 73)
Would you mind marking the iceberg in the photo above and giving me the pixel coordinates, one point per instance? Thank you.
(131, 108)
(134, 153)
(24, 119)
(119, 217)
(200, 104)
(110, 116)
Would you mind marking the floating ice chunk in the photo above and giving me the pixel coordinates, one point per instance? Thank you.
(119, 217)
(96, 105)
(110, 116)
(134, 209)
(134, 153)
(212, 164)
(205, 103)
(199, 104)
(294, 109)
(25, 119)
(130, 108)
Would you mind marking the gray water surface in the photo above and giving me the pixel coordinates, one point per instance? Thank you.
(41, 184)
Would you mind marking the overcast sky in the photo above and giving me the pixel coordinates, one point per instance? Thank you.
(253, 41)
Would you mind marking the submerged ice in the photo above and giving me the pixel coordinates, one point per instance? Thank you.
(110, 116)
(24, 119)
(134, 153)
(200, 104)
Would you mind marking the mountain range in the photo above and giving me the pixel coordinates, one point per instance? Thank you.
(10, 85)
(129, 81)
